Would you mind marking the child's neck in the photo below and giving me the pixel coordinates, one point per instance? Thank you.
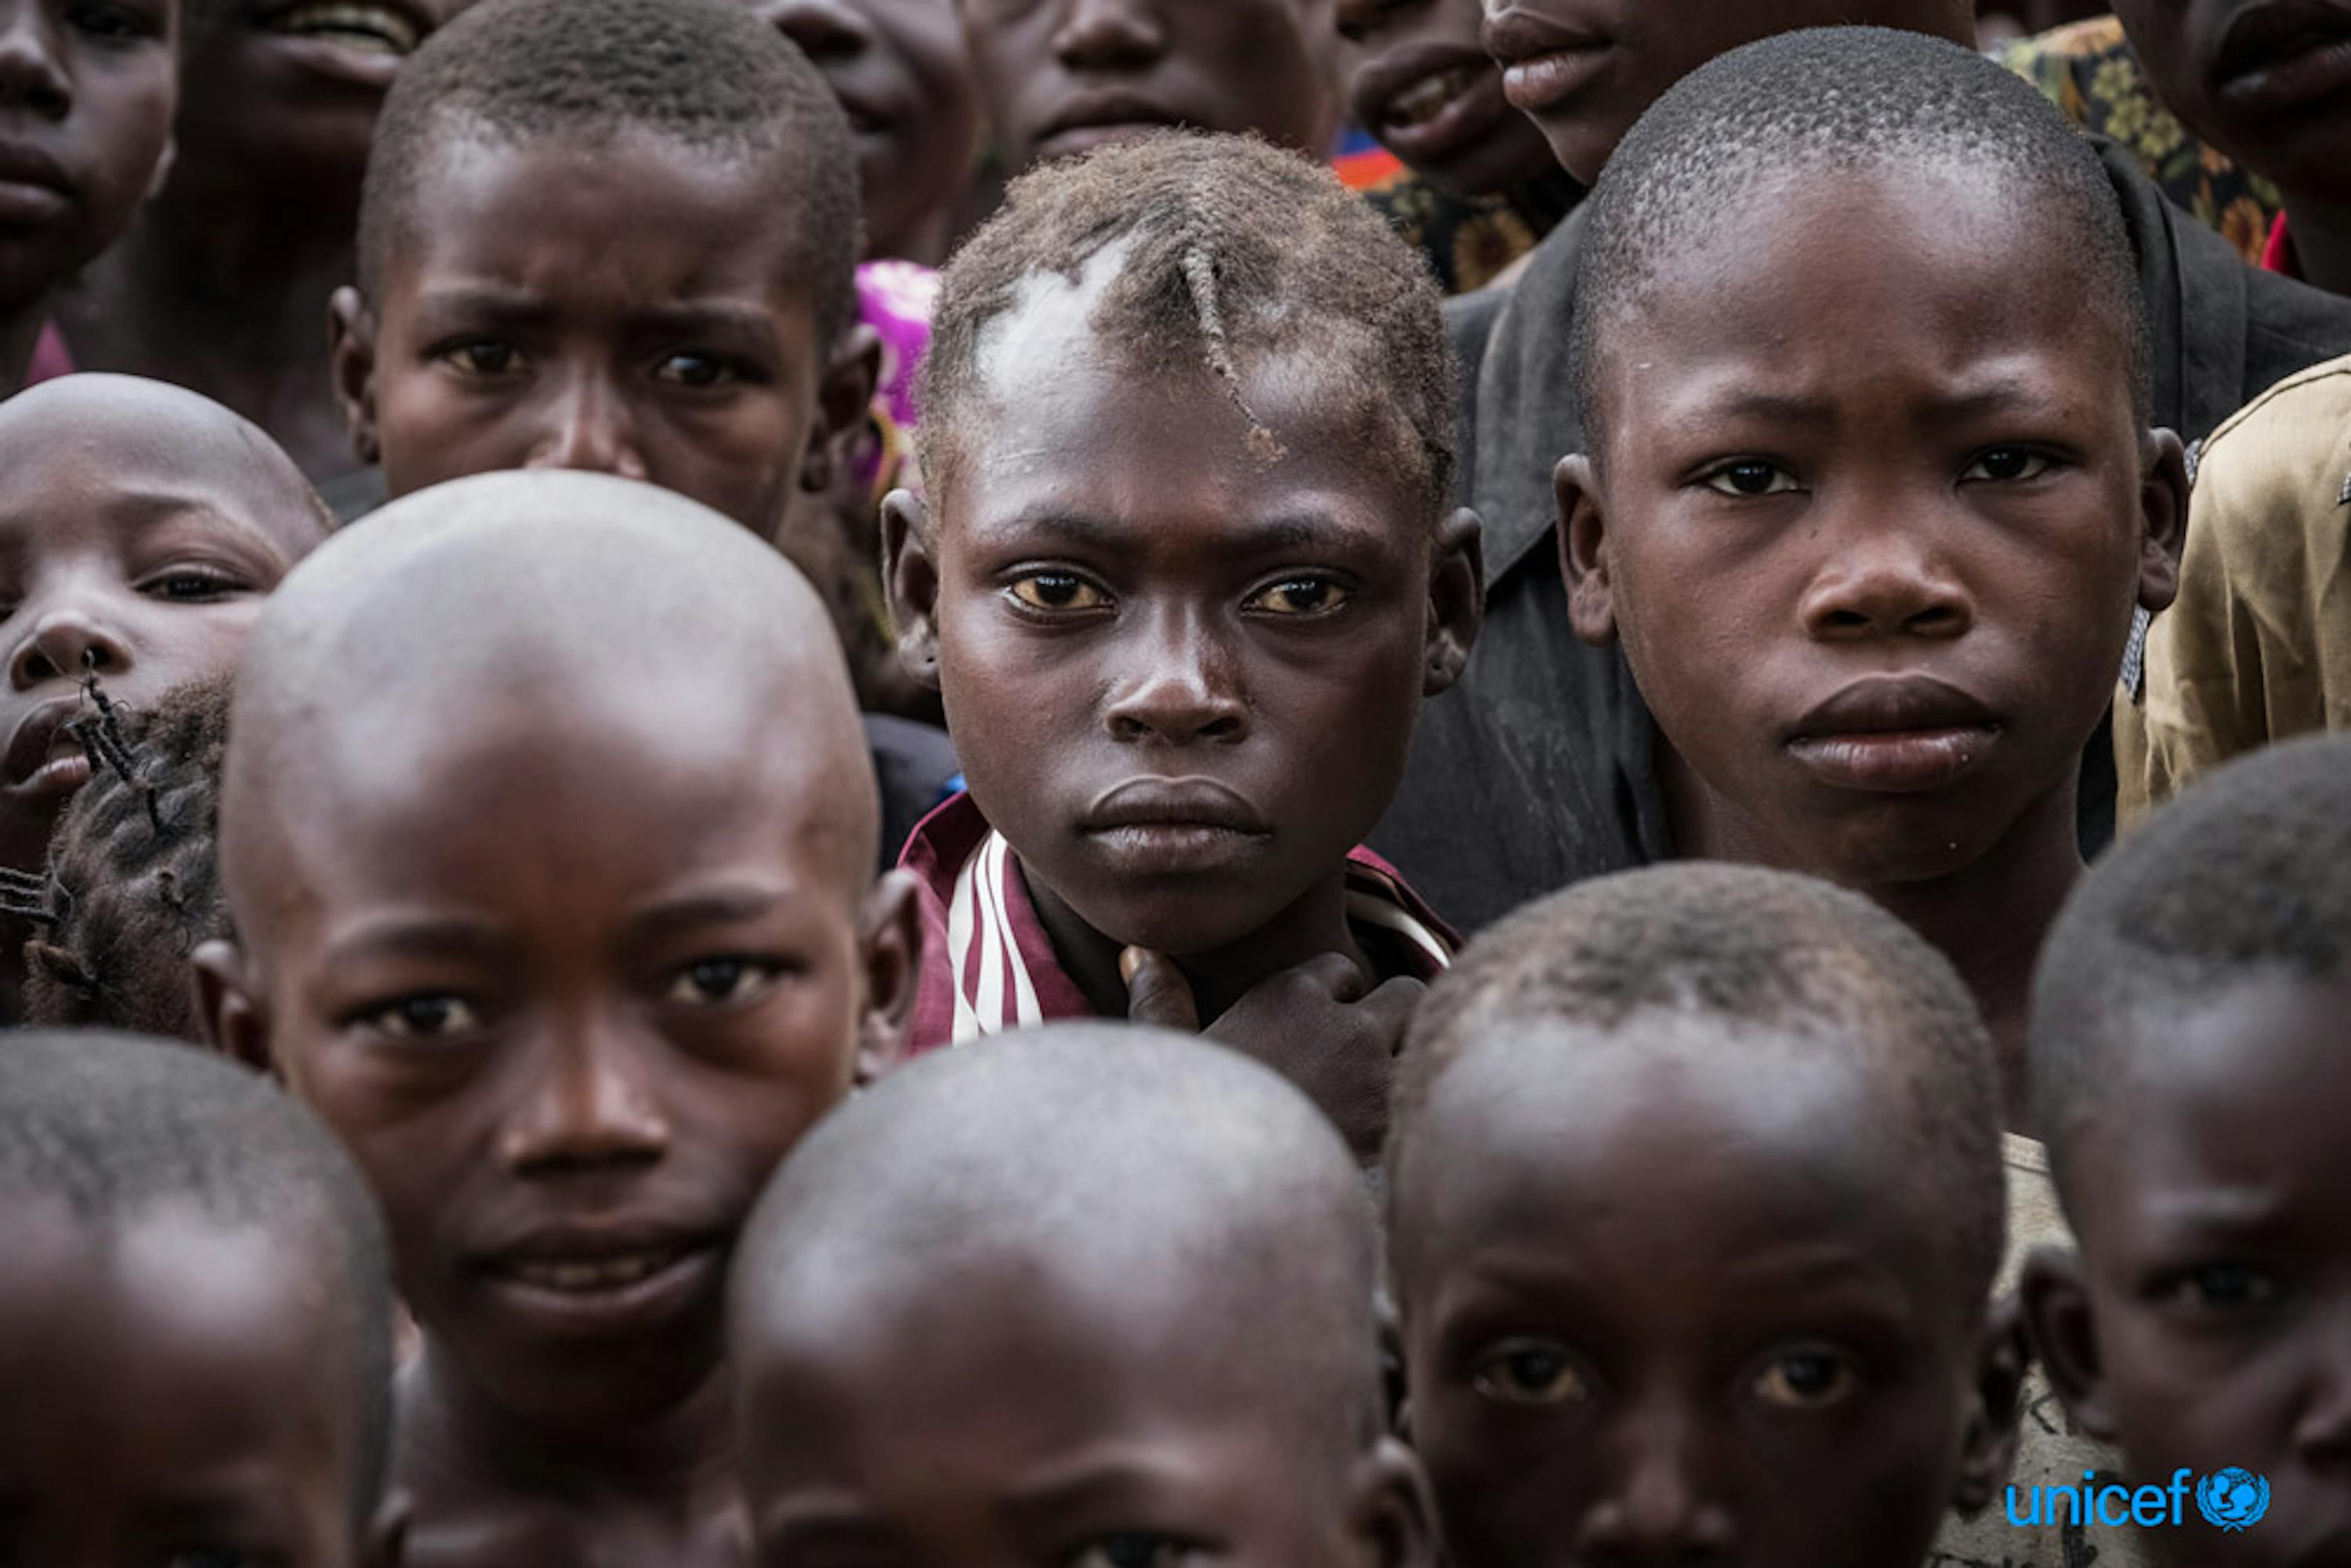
(1990, 917)
(1315, 923)
(18, 334)
(483, 1481)
(223, 253)
(2321, 243)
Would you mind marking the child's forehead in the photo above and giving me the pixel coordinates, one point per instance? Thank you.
(1956, 256)
(1695, 1105)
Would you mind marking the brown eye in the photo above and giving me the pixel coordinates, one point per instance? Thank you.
(1805, 1380)
(421, 1017)
(1060, 591)
(721, 982)
(1529, 1372)
(2007, 465)
(482, 356)
(1300, 596)
(1750, 476)
(696, 370)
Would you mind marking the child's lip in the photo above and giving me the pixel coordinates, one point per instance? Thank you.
(1894, 735)
(602, 1278)
(2267, 48)
(1155, 801)
(35, 745)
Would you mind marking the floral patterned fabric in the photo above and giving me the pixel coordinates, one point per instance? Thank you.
(2089, 70)
(1467, 241)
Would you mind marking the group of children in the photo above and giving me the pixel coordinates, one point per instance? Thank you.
(558, 1078)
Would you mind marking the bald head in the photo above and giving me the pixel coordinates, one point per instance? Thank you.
(466, 631)
(63, 439)
(1120, 1182)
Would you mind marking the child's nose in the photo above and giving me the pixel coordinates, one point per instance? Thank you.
(1110, 33)
(30, 76)
(584, 1108)
(824, 29)
(2322, 1431)
(1879, 581)
(64, 644)
(1180, 691)
(1657, 1510)
(589, 429)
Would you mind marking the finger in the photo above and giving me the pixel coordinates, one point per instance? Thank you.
(1334, 975)
(1391, 1005)
(1157, 991)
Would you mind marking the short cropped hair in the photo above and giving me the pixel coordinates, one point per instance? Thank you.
(1232, 250)
(1762, 951)
(115, 1126)
(1131, 1148)
(1840, 99)
(703, 72)
(2246, 875)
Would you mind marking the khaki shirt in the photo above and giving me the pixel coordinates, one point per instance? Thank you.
(2257, 648)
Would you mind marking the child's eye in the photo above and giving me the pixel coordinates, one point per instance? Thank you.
(1529, 1372)
(1057, 590)
(1132, 1549)
(482, 357)
(2006, 465)
(1299, 596)
(1805, 1380)
(421, 1017)
(721, 982)
(697, 370)
(193, 587)
(1750, 476)
(2222, 1288)
(113, 24)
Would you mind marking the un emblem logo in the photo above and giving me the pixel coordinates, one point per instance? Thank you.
(2232, 1498)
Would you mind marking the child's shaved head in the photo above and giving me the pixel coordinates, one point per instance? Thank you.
(238, 1250)
(1100, 1158)
(155, 430)
(1769, 957)
(1710, 1151)
(1840, 98)
(462, 605)
(1161, 1259)
(2246, 880)
(707, 73)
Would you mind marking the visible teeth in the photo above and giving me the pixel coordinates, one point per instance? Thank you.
(599, 1274)
(1425, 102)
(365, 26)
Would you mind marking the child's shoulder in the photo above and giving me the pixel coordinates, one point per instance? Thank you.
(2288, 451)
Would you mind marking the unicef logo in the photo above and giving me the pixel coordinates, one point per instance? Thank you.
(2232, 1498)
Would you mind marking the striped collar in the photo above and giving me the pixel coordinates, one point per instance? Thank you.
(988, 964)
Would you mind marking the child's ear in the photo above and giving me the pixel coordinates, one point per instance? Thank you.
(910, 577)
(1395, 1516)
(2163, 498)
(350, 351)
(2065, 1334)
(386, 1545)
(890, 938)
(1584, 550)
(1996, 1387)
(228, 1006)
(1457, 599)
(843, 396)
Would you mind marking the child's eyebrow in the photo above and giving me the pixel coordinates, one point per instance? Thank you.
(709, 318)
(1095, 1484)
(418, 936)
(1243, 536)
(713, 906)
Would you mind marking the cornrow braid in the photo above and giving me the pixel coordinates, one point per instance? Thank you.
(133, 881)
